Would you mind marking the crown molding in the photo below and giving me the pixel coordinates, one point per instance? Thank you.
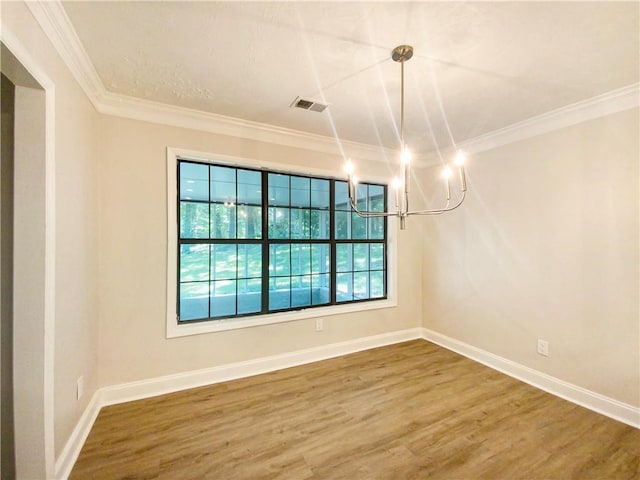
(608, 103)
(139, 109)
(56, 24)
(53, 19)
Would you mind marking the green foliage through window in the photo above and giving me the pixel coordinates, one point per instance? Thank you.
(253, 242)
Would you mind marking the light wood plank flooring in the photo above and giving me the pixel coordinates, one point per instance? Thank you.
(407, 411)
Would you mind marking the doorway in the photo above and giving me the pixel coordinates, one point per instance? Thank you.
(25, 400)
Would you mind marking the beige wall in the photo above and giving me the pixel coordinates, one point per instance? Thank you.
(547, 247)
(76, 212)
(133, 262)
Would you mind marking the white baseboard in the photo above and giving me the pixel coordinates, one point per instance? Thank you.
(69, 455)
(593, 401)
(173, 383)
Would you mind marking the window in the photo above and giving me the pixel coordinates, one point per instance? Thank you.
(253, 242)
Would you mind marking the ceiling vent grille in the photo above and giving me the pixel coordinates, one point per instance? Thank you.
(307, 104)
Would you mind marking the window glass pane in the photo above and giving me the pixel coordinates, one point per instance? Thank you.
(249, 296)
(301, 291)
(377, 284)
(319, 224)
(194, 263)
(376, 228)
(223, 298)
(300, 191)
(376, 253)
(320, 257)
(342, 196)
(320, 288)
(249, 187)
(343, 225)
(223, 184)
(344, 257)
(249, 261)
(361, 285)
(300, 259)
(194, 300)
(376, 198)
(361, 256)
(278, 222)
(279, 293)
(278, 189)
(223, 262)
(254, 285)
(319, 193)
(344, 287)
(194, 220)
(300, 223)
(194, 181)
(362, 197)
(358, 226)
(279, 260)
(249, 222)
(255, 261)
(223, 221)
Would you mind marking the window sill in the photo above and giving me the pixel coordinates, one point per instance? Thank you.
(197, 328)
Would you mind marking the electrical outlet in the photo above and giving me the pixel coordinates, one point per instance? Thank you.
(319, 324)
(543, 348)
(80, 387)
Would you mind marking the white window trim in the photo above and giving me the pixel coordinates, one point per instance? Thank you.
(180, 330)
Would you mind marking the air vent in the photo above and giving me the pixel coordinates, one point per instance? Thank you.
(307, 104)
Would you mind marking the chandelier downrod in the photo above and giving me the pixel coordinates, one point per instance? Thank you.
(401, 54)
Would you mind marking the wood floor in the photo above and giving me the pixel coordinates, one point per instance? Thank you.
(407, 411)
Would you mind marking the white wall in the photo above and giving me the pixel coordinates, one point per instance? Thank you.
(76, 213)
(547, 247)
(133, 262)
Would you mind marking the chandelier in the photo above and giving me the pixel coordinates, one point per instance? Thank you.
(401, 183)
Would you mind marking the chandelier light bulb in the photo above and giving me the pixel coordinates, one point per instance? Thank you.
(349, 168)
(446, 172)
(354, 180)
(405, 157)
(460, 158)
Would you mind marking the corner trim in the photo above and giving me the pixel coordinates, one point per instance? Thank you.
(117, 105)
(55, 23)
(593, 401)
(608, 103)
(71, 450)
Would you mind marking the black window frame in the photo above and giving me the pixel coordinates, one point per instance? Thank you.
(265, 242)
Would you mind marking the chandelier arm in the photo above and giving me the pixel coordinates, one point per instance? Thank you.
(366, 213)
(438, 211)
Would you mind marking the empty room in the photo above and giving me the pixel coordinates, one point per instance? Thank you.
(320, 240)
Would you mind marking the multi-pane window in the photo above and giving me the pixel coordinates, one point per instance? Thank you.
(360, 244)
(255, 242)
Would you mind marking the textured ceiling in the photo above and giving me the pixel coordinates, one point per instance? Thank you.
(477, 67)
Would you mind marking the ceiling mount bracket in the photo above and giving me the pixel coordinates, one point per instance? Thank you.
(402, 53)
